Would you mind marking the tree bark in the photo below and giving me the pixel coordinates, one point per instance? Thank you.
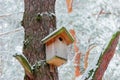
(38, 22)
(106, 57)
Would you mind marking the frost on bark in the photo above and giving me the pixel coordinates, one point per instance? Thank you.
(38, 22)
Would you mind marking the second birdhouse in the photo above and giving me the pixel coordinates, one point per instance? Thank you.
(56, 46)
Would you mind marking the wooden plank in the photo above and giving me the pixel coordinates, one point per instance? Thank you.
(50, 49)
(57, 61)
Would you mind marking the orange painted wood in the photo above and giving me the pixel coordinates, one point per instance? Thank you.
(77, 64)
(69, 5)
(65, 36)
(57, 61)
(77, 55)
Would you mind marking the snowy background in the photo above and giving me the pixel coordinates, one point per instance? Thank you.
(91, 28)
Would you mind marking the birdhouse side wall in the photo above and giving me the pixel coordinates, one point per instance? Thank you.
(50, 49)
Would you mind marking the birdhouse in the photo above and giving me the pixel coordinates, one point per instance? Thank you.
(56, 46)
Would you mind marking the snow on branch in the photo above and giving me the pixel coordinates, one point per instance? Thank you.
(6, 15)
(10, 32)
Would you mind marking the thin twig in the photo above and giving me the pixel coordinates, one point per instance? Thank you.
(1, 16)
(86, 56)
(99, 14)
(13, 31)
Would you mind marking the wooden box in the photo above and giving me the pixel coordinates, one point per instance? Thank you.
(56, 46)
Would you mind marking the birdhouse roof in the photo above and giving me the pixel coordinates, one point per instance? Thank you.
(61, 31)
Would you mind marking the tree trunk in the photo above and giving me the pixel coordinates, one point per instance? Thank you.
(106, 57)
(38, 22)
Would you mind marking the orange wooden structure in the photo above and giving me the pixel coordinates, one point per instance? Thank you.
(69, 5)
(77, 54)
(56, 46)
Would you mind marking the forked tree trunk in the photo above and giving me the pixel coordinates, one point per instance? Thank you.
(38, 21)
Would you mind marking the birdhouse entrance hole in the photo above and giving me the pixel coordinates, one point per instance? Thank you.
(60, 39)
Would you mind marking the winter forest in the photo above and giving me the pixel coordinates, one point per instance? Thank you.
(91, 23)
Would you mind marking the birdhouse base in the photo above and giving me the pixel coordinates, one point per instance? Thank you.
(57, 61)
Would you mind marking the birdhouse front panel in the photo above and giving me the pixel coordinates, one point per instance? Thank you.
(61, 47)
(56, 51)
(66, 37)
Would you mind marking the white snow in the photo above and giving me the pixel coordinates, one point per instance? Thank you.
(91, 28)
